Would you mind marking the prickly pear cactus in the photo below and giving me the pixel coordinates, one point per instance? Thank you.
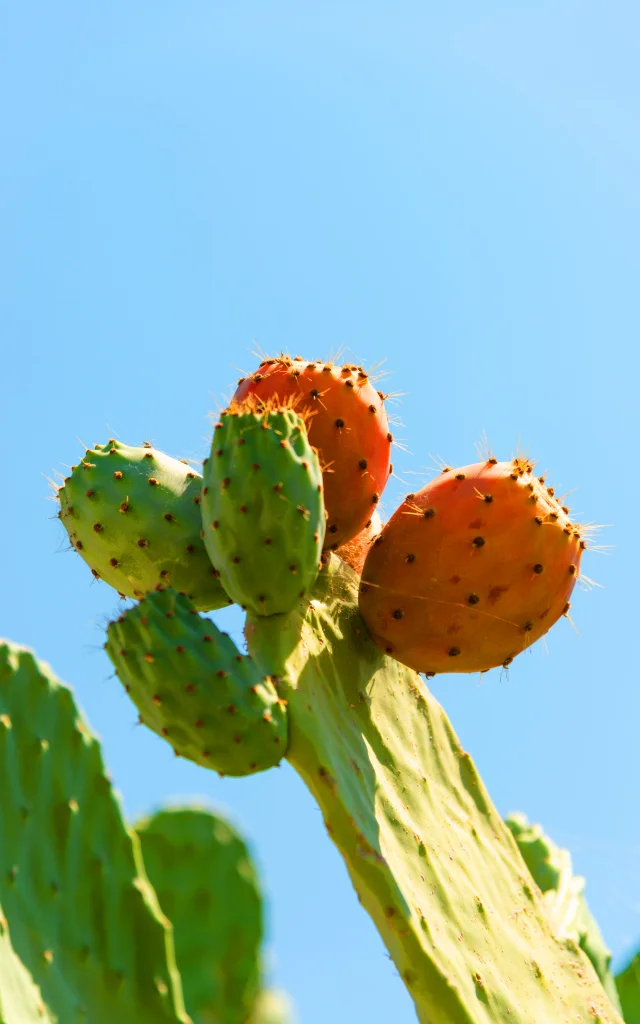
(80, 914)
(471, 570)
(262, 507)
(206, 883)
(192, 686)
(430, 858)
(133, 514)
(563, 894)
(347, 424)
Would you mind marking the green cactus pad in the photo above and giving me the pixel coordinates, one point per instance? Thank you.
(192, 687)
(206, 883)
(628, 985)
(262, 508)
(20, 999)
(563, 894)
(133, 514)
(82, 917)
(429, 856)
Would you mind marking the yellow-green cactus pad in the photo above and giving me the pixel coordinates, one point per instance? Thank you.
(429, 856)
(563, 894)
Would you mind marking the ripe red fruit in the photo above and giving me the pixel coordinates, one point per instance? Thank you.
(348, 426)
(355, 551)
(471, 570)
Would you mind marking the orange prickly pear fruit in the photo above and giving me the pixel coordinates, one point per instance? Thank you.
(471, 570)
(355, 551)
(348, 427)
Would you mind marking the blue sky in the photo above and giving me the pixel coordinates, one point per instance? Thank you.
(450, 188)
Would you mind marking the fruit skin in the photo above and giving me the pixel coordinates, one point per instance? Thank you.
(471, 570)
(81, 914)
(262, 507)
(563, 893)
(193, 688)
(348, 427)
(428, 854)
(355, 551)
(133, 514)
(207, 886)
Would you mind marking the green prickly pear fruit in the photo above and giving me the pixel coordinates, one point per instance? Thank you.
(471, 570)
(193, 688)
(207, 886)
(78, 909)
(262, 508)
(348, 426)
(133, 514)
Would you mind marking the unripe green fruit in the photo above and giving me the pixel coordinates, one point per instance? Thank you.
(193, 688)
(133, 514)
(262, 507)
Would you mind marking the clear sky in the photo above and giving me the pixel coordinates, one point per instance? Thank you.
(452, 188)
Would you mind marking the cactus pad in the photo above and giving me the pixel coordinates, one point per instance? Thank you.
(563, 894)
(348, 427)
(206, 884)
(192, 687)
(81, 914)
(133, 514)
(262, 509)
(471, 570)
(20, 998)
(428, 854)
